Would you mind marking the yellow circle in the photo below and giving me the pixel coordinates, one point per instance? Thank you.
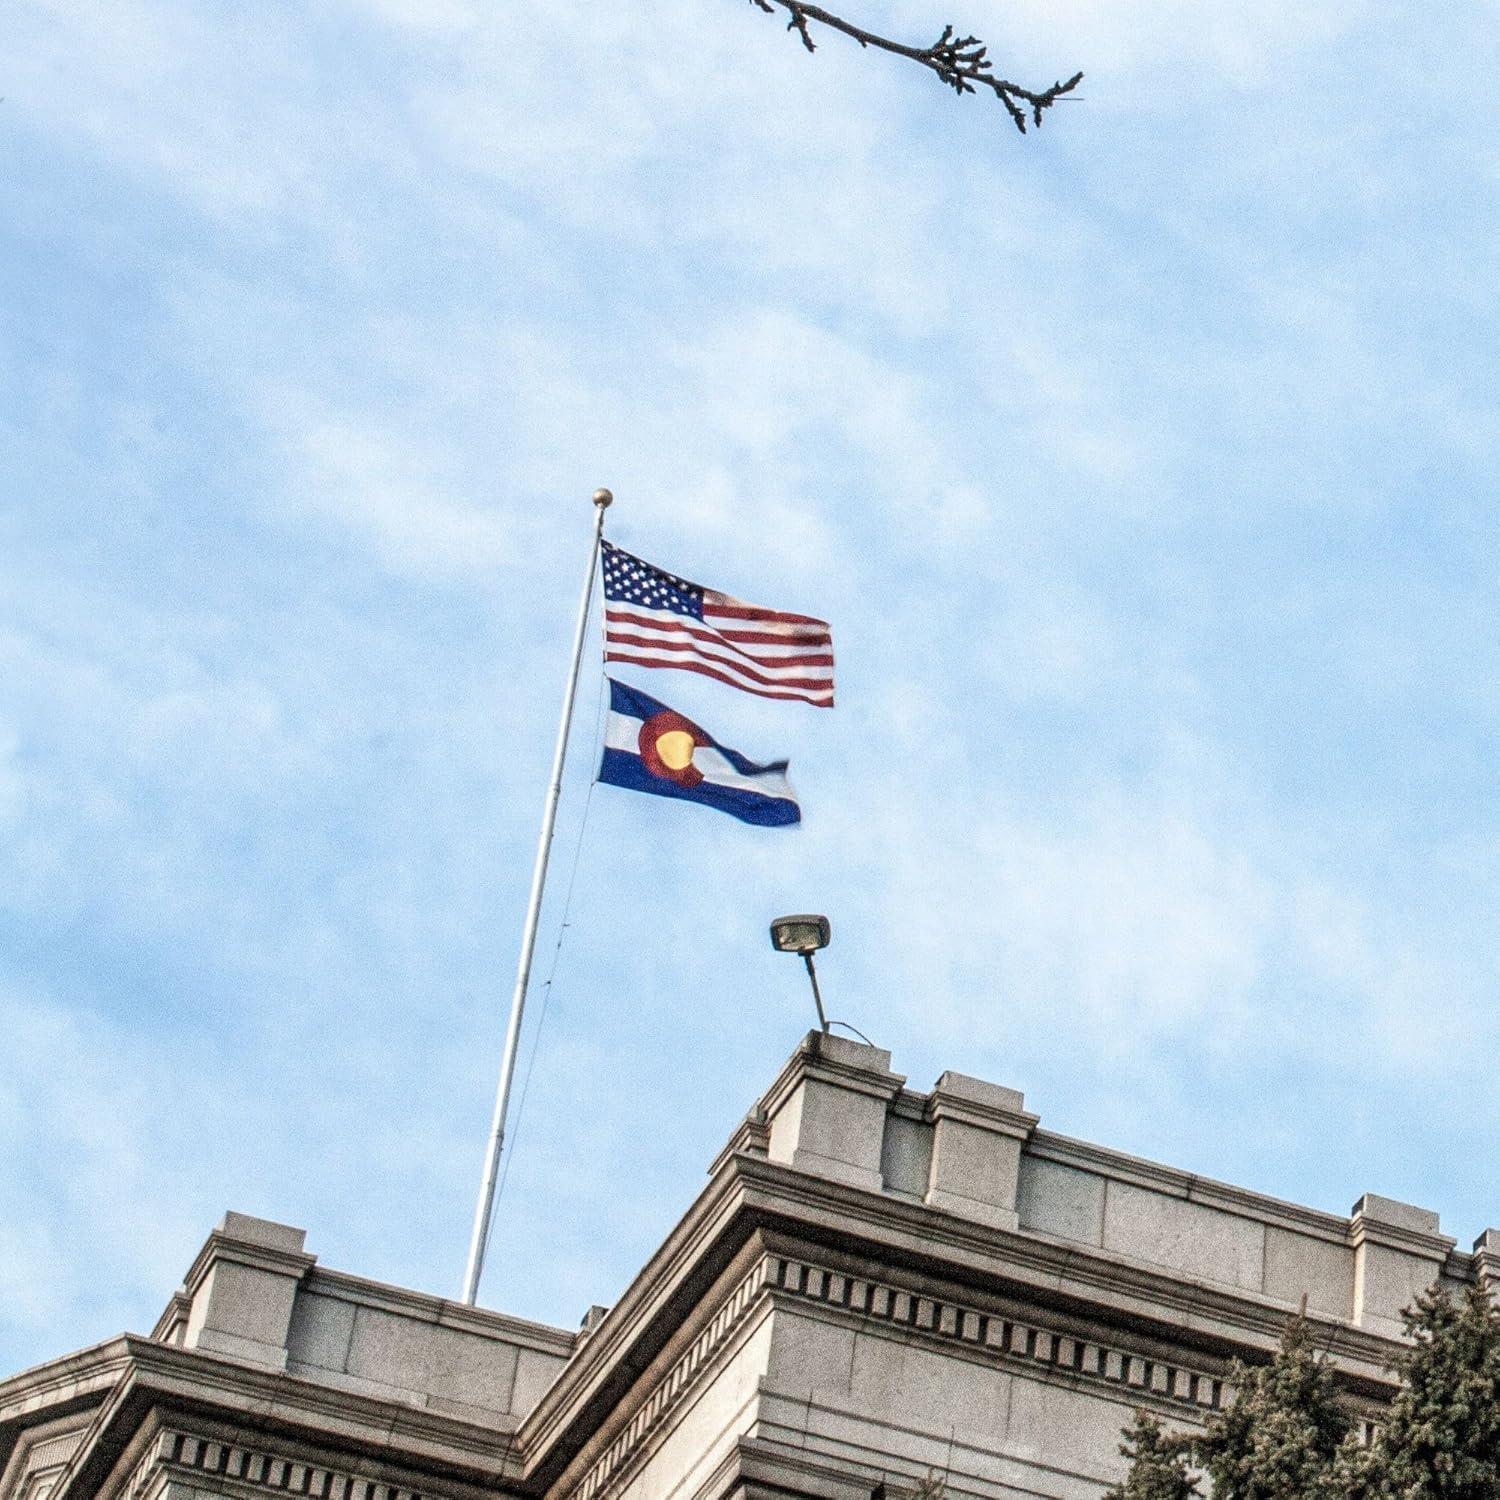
(676, 749)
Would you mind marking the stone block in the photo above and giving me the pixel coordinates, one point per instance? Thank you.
(1065, 1429)
(911, 1386)
(906, 1156)
(1385, 1281)
(974, 1174)
(1200, 1242)
(427, 1359)
(810, 1358)
(1487, 1260)
(989, 1096)
(535, 1372)
(321, 1328)
(1061, 1201)
(1302, 1264)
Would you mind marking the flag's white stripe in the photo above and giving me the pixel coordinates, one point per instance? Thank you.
(623, 732)
(631, 616)
(672, 654)
(718, 770)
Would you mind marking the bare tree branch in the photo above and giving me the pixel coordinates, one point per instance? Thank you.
(962, 62)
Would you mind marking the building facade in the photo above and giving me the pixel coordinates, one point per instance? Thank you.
(876, 1285)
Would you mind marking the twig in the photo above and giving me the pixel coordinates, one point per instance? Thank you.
(962, 62)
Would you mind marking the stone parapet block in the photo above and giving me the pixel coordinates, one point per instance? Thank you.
(1398, 1253)
(979, 1130)
(826, 1111)
(241, 1288)
(1487, 1261)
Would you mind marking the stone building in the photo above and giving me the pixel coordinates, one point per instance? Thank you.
(875, 1284)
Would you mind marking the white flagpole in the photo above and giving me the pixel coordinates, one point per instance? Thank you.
(482, 1211)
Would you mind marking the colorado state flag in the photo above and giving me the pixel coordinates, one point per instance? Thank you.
(649, 747)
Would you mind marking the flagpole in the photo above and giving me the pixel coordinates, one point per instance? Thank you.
(483, 1209)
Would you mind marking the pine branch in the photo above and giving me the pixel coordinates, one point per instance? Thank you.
(962, 62)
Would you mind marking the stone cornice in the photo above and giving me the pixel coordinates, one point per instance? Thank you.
(751, 1194)
(160, 1378)
(1138, 1370)
(52, 1386)
(979, 1330)
(752, 1135)
(173, 1318)
(1363, 1230)
(1105, 1285)
(986, 1106)
(58, 1388)
(672, 1386)
(1012, 1122)
(638, 1326)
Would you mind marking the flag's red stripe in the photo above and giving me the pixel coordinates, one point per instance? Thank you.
(737, 609)
(820, 700)
(622, 625)
(665, 621)
(618, 636)
(822, 682)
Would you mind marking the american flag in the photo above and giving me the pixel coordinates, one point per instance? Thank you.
(654, 619)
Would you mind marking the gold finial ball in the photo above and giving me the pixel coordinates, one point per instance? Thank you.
(603, 498)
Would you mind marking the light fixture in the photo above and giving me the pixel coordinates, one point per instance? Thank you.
(804, 934)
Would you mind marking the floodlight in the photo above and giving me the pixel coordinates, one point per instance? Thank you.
(804, 935)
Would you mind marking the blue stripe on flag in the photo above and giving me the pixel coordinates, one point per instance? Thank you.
(620, 768)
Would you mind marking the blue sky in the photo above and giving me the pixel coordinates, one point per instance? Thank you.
(1143, 467)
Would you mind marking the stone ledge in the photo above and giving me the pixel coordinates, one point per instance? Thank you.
(1007, 1339)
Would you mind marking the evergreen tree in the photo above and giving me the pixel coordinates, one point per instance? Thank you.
(1441, 1439)
(1158, 1463)
(1358, 1471)
(1280, 1436)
